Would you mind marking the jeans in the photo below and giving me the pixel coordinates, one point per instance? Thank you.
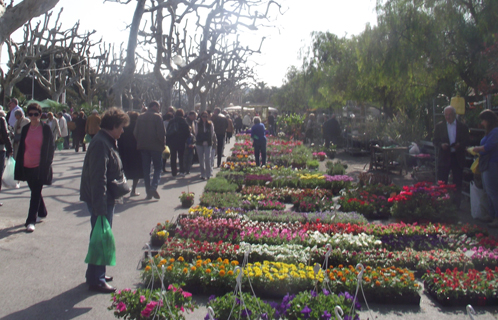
(174, 154)
(490, 184)
(204, 153)
(221, 146)
(36, 203)
(188, 157)
(95, 275)
(2, 166)
(260, 147)
(156, 158)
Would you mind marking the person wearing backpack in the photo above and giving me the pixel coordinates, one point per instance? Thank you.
(177, 134)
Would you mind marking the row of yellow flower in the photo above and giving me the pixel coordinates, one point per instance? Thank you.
(278, 277)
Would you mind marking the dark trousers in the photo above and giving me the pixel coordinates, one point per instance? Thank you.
(95, 274)
(260, 148)
(36, 203)
(220, 147)
(444, 172)
(176, 153)
(77, 142)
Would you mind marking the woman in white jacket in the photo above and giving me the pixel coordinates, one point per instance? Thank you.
(63, 126)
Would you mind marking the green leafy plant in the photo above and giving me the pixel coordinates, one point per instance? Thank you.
(220, 185)
(312, 164)
(251, 308)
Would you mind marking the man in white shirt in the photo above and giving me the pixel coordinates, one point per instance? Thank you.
(451, 137)
(13, 107)
(63, 128)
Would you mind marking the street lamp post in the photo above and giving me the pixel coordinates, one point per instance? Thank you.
(180, 62)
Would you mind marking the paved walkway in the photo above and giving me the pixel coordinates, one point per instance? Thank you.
(42, 274)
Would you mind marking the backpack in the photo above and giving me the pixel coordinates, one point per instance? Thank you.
(172, 128)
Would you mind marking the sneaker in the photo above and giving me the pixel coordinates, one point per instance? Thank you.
(30, 227)
(38, 220)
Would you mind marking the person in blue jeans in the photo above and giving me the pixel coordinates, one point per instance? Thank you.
(259, 140)
(151, 141)
(488, 162)
(102, 165)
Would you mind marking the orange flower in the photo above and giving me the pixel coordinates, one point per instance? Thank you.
(343, 279)
(230, 273)
(193, 268)
(171, 260)
(377, 283)
(185, 270)
(169, 268)
(208, 270)
(222, 273)
(180, 258)
(147, 268)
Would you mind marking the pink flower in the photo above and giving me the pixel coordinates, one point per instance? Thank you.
(121, 307)
(186, 294)
(142, 299)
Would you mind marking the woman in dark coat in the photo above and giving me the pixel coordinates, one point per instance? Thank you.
(79, 132)
(34, 162)
(130, 156)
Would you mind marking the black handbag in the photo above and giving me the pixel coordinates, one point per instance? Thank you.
(118, 188)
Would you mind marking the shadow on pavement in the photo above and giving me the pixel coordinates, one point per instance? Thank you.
(59, 307)
(7, 232)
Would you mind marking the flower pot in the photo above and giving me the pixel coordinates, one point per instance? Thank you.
(187, 203)
(321, 158)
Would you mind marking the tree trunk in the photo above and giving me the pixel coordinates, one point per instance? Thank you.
(129, 69)
(13, 18)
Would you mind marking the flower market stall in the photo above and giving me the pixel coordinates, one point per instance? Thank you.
(311, 241)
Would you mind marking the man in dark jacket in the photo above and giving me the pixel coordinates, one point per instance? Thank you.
(237, 123)
(451, 137)
(150, 134)
(177, 134)
(220, 123)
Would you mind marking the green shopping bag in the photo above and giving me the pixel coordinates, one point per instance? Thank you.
(102, 249)
(87, 138)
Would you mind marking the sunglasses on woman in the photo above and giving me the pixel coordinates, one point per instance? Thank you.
(33, 114)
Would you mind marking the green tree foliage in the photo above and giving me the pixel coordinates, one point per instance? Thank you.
(418, 50)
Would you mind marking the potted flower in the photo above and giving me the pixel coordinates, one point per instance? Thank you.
(187, 199)
(321, 155)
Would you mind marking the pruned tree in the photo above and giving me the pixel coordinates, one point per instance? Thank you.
(226, 71)
(64, 62)
(169, 30)
(115, 93)
(13, 17)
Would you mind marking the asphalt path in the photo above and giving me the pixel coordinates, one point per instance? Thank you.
(42, 274)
